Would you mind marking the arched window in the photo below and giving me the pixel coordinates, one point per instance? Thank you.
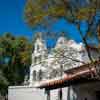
(40, 58)
(38, 47)
(34, 75)
(35, 59)
(40, 75)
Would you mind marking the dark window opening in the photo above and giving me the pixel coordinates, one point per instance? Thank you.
(34, 75)
(40, 75)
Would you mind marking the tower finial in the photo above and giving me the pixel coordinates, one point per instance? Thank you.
(62, 34)
(39, 35)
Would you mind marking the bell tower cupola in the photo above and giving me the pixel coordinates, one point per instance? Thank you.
(40, 49)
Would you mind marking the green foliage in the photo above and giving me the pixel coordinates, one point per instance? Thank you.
(36, 11)
(15, 59)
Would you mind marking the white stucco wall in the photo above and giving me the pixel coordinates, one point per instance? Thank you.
(25, 93)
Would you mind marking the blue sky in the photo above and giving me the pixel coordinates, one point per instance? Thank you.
(11, 20)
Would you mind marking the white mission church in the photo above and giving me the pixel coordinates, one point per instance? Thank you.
(66, 54)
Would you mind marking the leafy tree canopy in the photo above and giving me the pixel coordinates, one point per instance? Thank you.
(15, 59)
(36, 11)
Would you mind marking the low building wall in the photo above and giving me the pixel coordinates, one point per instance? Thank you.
(25, 93)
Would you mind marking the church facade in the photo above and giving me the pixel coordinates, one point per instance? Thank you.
(48, 65)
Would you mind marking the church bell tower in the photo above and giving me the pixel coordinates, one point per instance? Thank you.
(38, 55)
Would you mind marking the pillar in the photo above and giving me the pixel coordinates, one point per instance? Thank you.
(60, 94)
(48, 94)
